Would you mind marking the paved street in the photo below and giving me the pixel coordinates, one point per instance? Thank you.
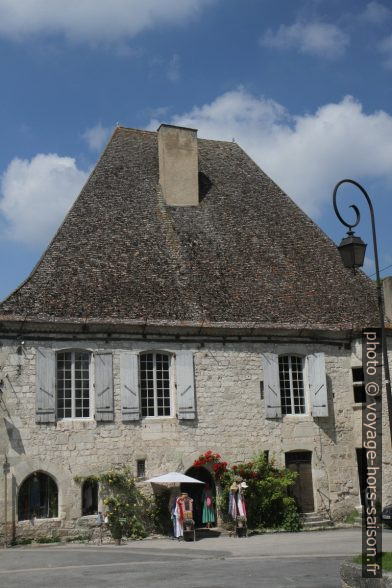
(277, 561)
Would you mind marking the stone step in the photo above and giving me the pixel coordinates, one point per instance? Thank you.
(312, 516)
(204, 533)
(319, 523)
(315, 520)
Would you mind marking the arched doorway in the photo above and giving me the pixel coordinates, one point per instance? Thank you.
(302, 491)
(38, 497)
(195, 491)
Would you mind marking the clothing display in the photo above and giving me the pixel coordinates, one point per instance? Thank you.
(208, 515)
(173, 509)
(233, 509)
(237, 506)
(183, 510)
(241, 503)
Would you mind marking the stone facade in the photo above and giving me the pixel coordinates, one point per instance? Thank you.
(230, 419)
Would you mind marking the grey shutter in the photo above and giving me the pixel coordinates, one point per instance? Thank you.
(186, 405)
(129, 379)
(318, 384)
(104, 409)
(273, 407)
(45, 397)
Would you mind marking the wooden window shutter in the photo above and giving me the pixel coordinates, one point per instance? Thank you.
(45, 397)
(273, 407)
(104, 405)
(129, 379)
(318, 384)
(186, 402)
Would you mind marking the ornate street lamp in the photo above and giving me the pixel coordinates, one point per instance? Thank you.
(352, 250)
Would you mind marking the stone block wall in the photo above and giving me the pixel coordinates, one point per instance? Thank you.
(230, 420)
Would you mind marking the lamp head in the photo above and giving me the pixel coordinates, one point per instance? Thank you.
(352, 251)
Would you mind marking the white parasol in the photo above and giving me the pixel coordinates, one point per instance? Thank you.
(174, 478)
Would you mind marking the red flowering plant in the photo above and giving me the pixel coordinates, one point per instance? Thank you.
(268, 503)
(246, 471)
(266, 494)
(219, 467)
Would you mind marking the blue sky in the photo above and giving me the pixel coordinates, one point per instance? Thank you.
(303, 86)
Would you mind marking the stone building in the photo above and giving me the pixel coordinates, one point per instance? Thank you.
(186, 303)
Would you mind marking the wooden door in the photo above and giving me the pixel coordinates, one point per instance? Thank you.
(302, 491)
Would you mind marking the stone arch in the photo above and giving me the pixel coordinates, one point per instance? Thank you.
(24, 468)
(195, 491)
(38, 497)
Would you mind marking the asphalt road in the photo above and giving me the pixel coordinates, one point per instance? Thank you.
(281, 560)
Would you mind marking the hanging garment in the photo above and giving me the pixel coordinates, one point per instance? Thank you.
(241, 504)
(208, 515)
(177, 521)
(173, 512)
(233, 508)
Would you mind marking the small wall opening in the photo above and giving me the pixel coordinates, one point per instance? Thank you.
(89, 498)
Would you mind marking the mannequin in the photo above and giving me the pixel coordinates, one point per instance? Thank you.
(184, 510)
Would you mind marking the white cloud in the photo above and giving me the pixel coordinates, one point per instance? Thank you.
(315, 38)
(36, 195)
(306, 155)
(173, 70)
(385, 48)
(375, 13)
(96, 136)
(92, 20)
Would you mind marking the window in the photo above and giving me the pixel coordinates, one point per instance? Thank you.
(38, 497)
(155, 384)
(291, 381)
(73, 384)
(89, 498)
(359, 384)
(141, 468)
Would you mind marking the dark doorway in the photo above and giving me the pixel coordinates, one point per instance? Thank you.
(195, 491)
(302, 491)
(89, 498)
(361, 464)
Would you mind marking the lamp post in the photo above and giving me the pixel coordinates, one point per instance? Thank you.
(352, 250)
(6, 471)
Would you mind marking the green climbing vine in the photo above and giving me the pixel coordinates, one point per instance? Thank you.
(130, 513)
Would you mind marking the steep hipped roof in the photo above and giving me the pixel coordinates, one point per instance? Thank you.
(246, 255)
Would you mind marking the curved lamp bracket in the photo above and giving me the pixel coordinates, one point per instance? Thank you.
(355, 208)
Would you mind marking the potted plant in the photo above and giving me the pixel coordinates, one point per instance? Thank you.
(116, 531)
(241, 526)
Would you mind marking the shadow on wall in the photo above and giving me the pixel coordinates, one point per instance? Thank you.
(328, 425)
(14, 437)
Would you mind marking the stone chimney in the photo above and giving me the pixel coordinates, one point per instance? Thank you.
(178, 165)
(387, 287)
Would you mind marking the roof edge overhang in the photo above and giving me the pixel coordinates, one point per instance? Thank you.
(20, 326)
